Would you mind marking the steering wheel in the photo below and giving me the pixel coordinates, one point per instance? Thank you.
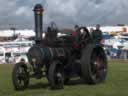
(84, 33)
(84, 36)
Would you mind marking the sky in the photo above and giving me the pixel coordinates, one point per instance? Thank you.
(66, 13)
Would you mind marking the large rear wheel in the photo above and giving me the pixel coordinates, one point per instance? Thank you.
(93, 64)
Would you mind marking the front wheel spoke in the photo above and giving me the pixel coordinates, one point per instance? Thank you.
(20, 82)
(21, 78)
(58, 77)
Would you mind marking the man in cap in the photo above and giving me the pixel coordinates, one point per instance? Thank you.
(97, 34)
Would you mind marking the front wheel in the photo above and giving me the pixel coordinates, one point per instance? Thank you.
(56, 75)
(20, 76)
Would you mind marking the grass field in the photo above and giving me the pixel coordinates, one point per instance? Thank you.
(115, 85)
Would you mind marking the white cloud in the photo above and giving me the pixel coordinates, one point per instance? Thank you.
(20, 11)
(23, 11)
(64, 12)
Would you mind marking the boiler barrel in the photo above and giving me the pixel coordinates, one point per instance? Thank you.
(41, 56)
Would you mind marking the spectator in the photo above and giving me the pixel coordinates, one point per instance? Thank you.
(119, 53)
(125, 55)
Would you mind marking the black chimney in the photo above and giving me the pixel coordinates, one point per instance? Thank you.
(38, 10)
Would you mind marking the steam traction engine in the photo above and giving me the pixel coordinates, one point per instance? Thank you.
(60, 58)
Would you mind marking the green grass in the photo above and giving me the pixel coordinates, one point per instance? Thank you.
(116, 84)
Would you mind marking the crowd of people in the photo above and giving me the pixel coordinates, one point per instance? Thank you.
(113, 53)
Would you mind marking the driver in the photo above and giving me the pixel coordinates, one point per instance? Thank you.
(97, 34)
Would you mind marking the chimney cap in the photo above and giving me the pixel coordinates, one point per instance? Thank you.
(38, 7)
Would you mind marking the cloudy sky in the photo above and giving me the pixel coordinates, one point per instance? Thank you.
(65, 13)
